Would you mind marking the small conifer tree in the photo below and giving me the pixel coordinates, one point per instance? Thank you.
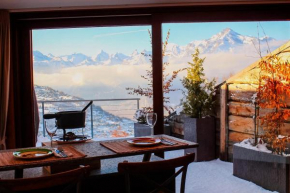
(199, 96)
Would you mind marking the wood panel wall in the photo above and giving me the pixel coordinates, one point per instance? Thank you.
(237, 108)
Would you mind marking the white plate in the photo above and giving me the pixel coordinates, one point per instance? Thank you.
(77, 140)
(144, 141)
(33, 153)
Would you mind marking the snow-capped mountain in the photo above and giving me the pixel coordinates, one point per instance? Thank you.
(101, 57)
(39, 57)
(47, 93)
(77, 59)
(104, 122)
(224, 41)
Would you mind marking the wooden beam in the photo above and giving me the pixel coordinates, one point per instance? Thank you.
(157, 73)
(223, 122)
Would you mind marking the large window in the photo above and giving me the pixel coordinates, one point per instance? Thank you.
(228, 48)
(103, 64)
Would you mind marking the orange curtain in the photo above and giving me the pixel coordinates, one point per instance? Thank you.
(4, 73)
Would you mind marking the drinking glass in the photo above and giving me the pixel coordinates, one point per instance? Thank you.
(51, 130)
(151, 119)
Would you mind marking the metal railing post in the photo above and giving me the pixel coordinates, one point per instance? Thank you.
(138, 103)
(43, 125)
(92, 123)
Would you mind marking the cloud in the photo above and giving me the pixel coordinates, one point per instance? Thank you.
(118, 33)
(109, 82)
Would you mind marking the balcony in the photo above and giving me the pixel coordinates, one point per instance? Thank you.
(105, 118)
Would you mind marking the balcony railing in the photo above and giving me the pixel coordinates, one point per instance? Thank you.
(121, 108)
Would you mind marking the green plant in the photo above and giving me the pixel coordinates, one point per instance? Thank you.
(166, 77)
(200, 92)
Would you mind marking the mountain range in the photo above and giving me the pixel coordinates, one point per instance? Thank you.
(225, 41)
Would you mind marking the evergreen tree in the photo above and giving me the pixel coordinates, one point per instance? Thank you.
(199, 96)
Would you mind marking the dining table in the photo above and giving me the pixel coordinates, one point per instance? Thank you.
(91, 153)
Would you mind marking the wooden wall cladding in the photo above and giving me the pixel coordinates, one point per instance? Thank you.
(241, 111)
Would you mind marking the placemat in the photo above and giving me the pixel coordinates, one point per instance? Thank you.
(123, 146)
(7, 158)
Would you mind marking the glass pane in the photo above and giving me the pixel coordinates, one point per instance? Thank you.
(228, 48)
(76, 65)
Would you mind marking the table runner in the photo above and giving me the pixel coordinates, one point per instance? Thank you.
(123, 146)
(7, 158)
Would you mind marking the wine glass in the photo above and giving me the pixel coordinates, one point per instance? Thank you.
(50, 131)
(151, 119)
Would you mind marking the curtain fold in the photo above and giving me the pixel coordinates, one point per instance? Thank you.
(4, 73)
(22, 117)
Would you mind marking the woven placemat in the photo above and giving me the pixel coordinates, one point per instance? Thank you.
(123, 146)
(7, 158)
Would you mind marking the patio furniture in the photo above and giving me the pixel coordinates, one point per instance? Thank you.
(63, 182)
(93, 152)
(143, 169)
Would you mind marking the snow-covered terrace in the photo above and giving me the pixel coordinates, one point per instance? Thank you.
(213, 177)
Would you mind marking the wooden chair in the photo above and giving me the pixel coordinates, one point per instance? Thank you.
(141, 169)
(62, 182)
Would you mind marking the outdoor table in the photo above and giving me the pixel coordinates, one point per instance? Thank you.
(95, 152)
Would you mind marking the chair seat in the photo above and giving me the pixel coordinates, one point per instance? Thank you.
(107, 179)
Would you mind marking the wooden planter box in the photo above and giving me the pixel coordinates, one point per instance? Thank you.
(201, 131)
(264, 169)
(178, 128)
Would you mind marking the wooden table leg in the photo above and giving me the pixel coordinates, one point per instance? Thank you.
(18, 173)
(160, 154)
(146, 157)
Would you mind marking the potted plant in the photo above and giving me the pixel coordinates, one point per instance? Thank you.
(141, 128)
(198, 104)
(265, 164)
(147, 91)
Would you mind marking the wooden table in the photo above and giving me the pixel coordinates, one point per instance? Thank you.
(95, 152)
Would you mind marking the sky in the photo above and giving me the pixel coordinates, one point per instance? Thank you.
(91, 41)
(110, 81)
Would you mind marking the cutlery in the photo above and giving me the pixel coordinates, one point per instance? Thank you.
(166, 142)
(61, 152)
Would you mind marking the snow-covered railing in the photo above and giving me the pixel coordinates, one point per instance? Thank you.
(111, 109)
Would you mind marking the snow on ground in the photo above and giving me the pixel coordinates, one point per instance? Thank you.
(209, 177)
(213, 177)
(246, 143)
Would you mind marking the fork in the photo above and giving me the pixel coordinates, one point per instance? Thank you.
(61, 151)
(167, 142)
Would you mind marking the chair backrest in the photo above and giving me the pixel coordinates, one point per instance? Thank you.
(143, 168)
(71, 177)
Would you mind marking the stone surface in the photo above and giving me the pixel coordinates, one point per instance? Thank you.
(201, 131)
(141, 130)
(264, 169)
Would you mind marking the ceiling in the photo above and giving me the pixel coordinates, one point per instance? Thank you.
(36, 5)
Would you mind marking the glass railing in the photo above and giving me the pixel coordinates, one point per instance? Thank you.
(105, 118)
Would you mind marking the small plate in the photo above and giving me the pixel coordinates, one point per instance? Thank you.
(35, 153)
(144, 141)
(59, 140)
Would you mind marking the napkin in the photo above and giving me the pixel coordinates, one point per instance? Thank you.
(69, 154)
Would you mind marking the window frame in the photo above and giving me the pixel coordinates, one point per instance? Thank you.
(22, 24)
